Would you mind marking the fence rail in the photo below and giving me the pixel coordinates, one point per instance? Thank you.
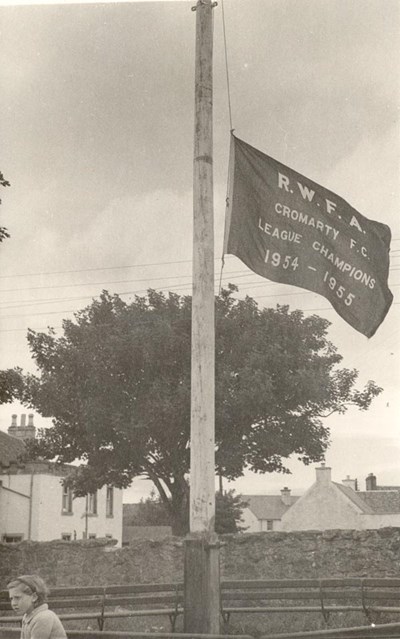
(371, 596)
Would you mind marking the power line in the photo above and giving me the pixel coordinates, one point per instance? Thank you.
(119, 294)
(16, 303)
(126, 266)
(44, 328)
(246, 285)
(52, 300)
(396, 267)
(143, 279)
(99, 268)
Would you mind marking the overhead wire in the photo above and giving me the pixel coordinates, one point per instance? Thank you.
(43, 328)
(99, 268)
(126, 266)
(232, 275)
(394, 268)
(143, 279)
(247, 285)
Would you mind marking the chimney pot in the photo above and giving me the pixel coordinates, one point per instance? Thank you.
(323, 474)
(285, 496)
(13, 429)
(350, 483)
(370, 482)
(24, 431)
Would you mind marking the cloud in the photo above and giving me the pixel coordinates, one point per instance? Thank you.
(369, 176)
(155, 227)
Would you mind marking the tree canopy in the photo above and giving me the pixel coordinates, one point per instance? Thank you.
(117, 384)
(11, 384)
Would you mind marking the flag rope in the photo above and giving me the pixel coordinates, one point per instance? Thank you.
(227, 204)
(226, 66)
(230, 126)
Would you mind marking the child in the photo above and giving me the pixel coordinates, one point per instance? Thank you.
(28, 595)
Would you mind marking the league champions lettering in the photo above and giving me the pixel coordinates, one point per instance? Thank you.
(285, 212)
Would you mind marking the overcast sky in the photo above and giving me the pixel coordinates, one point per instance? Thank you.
(97, 140)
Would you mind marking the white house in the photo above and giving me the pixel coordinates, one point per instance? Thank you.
(34, 504)
(325, 505)
(328, 504)
(265, 512)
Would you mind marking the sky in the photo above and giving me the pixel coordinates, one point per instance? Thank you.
(97, 127)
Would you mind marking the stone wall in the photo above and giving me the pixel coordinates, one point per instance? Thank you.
(313, 554)
(246, 556)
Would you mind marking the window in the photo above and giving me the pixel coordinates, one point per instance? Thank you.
(12, 538)
(270, 524)
(109, 536)
(92, 503)
(66, 536)
(66, 500)
(110, 502)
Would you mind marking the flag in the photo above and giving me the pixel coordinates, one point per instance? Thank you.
(291, 230)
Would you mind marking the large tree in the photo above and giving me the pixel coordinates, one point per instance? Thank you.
(117, 384)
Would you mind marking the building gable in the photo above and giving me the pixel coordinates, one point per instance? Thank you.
(267, 507)
(355, 498)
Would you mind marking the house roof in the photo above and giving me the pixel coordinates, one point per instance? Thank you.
(11, 448)
(382, 501)
(387, 488)
(374, 502)
(267, 506)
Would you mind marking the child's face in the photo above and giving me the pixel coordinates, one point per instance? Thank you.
(21, 601)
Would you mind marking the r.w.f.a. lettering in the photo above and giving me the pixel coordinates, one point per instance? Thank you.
(308, 194)
(305, 192)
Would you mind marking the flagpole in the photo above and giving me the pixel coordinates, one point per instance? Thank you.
(201, 596)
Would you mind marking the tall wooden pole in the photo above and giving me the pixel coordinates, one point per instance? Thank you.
(202, 476)
(201, 545)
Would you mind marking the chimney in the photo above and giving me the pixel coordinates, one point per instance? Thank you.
(12, 430)
(370, 482)
(323, 474)
(285, 496)
(350, 483)
(23, 431)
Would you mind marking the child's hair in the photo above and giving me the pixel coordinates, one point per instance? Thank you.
(31, 584)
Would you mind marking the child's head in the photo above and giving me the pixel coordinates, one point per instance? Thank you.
(27, 592)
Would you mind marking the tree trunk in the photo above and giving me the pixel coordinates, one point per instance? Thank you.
(177, 505)
(180, 507)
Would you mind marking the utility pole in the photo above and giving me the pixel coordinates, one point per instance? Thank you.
(201, 610)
